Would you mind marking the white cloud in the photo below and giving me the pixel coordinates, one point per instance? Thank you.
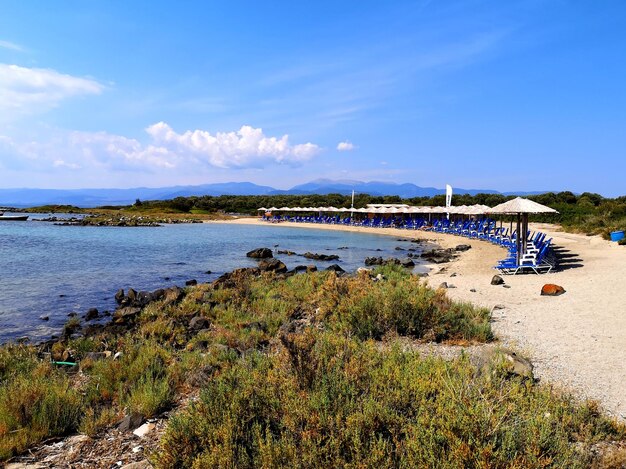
(168, 150)
(11, 46)
(29, 90)
(246, 147)
(346, 146)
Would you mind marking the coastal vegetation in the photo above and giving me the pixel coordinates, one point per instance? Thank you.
(314, 370)
(586, 213)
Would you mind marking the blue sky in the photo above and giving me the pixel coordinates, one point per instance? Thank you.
(515, 95)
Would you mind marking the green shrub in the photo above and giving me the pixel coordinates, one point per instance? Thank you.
(367, 408)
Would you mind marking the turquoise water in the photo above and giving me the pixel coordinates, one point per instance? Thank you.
(54, 270)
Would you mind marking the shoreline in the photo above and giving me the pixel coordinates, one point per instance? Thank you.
(575, 340)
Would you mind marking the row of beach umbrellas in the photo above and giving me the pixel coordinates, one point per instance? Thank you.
(462, 209)
(519, 207)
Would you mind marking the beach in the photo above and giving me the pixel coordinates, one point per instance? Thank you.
(576, 341)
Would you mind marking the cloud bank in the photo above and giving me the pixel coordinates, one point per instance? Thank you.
(247, 147)
(28, 90)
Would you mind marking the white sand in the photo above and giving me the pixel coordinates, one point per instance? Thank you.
(577, 341)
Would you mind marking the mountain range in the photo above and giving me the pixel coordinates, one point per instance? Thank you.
(97, 197)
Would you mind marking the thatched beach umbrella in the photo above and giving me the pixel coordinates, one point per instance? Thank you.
(520, 207)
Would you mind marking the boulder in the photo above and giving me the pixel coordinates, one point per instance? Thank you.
(44, 317)
(126, 312)
(550, 289)
(335, 268)
(132, 295)
(230, 279)
(272, 265)
(300, 268)
(191, 283)
(260, 253)
(199, 323)
(398, 248)
(497, 280)
(130, 422)
(374, 261)
(119, 296)
(288, 253)
(92, 313)
(463, 247)
(321, 257)
(311, 268)
(490, 360)
(407, 263)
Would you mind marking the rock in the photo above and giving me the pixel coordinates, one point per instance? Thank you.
(119, 296)
(191, 283)
(497, 280)
(443, 285)
(158, 294)
(288, 253)
(506, 286)
(260, 253)
(373, 261)
(208, 272)
(44, 318)
(72, 315)
(173, 295)
(398, 248)
(272, 265)
(491, 360)
(498, 307)
(453, 274)
(463, 247)
(311, 268)
(380, 277)
(321, 257)
(130, 422)
(230, 279)
(363, 270)
(550, 289)
(473, 290)
(300, 268)
(335, 268)
(145, 429)
(132, 295)
(439, 256)
(127, 312)
(407, 263)
(201, 377)
(92, 313)
(199, 323)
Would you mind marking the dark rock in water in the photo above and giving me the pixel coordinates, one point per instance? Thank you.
(374, 261)
(272, 265)
(62, 295)
(336, 268)
(398, 248)
(72, 315)
(260, 253)
(119, 296)
(288, 253)
(191, 283)
(300, 268)
(407, 263)
(92, 313)
(311, 268)
(497, 280)
(343, 247)
(550, 289)
(463, 247)
(439, 256)
(321, 257)
(167, 279)
(199, 323)
(44, 318)
(130, 422)
(208, 272)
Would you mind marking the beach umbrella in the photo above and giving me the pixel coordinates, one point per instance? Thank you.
(272, 209)
(262, 209)
(522, 208)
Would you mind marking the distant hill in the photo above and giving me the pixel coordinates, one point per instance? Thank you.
(97, 197)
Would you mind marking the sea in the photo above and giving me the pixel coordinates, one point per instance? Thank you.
(51, 270)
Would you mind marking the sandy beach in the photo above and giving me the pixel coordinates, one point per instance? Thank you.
(577, 340)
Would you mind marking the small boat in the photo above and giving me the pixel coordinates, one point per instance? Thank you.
(13, 217)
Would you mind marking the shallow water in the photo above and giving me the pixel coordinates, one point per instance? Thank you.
(54, 270)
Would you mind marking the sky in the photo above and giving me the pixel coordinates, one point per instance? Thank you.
(512, 96)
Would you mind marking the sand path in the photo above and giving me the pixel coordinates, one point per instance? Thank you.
(577, 341)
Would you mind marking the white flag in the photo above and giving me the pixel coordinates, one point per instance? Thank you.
(448, 195)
